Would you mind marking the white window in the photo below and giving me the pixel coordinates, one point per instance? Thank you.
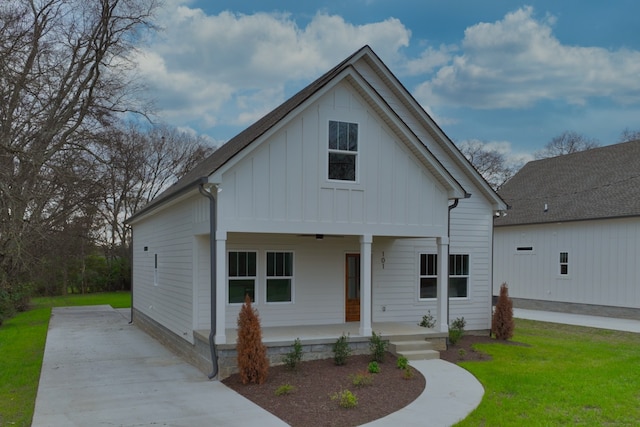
(428, 276)
(279, 276)
(458, 276)
(343, 151)
(242, 276)
(564, 263)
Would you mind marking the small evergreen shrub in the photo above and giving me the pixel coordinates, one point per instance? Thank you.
(428, 321)
(502, 324)
(402, 362)
(457, 330)
(407, 373)
(377, 347)
(341, 350)
(345, 399)
(373, 367)
(285, 389)
(361, 379)
(252, 353)
(294, 357)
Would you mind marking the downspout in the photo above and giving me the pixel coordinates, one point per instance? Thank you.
(212, 263)
(451, 207)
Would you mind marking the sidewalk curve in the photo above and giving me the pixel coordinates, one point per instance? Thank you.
(100, 370)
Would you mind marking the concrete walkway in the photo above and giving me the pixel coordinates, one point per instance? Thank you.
(616, 324)
(100, 370)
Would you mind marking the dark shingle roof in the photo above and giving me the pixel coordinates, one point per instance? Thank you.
(594, 184)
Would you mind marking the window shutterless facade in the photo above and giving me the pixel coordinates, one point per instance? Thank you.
(564, 263)
(343, 151)
(279, 276)
(242, 267)
(458, 276)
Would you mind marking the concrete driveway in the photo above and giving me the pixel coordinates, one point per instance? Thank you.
(100, 370)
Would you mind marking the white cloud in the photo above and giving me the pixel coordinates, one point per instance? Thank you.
(232, 68)
(517, 61)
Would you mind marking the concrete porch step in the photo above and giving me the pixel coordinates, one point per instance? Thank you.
(420, 354)
(413, 349)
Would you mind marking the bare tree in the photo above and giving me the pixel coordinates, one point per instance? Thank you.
(63, 68)
(566, 143)
(490, 163)
(628, 135)
(138, 164)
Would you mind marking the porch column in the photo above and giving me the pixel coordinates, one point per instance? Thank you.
(365, 285)
(221, 286)
(443, 283)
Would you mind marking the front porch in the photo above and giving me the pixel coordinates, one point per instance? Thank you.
(317, 341)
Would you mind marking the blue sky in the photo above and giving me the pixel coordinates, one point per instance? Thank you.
(510, 74)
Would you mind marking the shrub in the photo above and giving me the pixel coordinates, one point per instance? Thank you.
(502, 324)
(402, 362)
(377, 347)
(252, 354)
(373, 367)
(428, 320)
(407, 373)
(294, 357)
(285, 389)
(361, 379)
(345, 399)
(457, 330)
(341, 350)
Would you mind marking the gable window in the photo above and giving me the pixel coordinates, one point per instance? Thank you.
(564, 263)
(458, 276)
(242, 276)
(279, 276)
(343, 150)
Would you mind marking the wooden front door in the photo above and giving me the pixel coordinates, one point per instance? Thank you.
(352, 288)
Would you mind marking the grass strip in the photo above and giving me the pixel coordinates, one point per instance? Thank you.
(22, 341)
(562, 375)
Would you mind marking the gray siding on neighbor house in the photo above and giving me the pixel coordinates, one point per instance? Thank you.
(603, 267)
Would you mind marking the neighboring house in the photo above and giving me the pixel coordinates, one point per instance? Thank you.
(571, 238)
(339, 207)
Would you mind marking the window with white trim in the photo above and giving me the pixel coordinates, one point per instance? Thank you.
(242, 276)
(458, 276)
(279, 276)
(343, 151)
(428, 276)
(564, 263)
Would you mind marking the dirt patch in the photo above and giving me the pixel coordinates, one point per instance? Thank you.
(463, 351)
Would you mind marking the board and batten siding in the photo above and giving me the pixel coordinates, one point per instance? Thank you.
(169, 234)
(471, 220)
(282, 185)
(603, 267)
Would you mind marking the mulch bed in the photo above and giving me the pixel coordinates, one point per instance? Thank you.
(310, 403)
(315, 381)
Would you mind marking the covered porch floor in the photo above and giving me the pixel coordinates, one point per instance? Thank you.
(274, 336)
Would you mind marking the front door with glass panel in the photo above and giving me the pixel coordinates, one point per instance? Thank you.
(352, 288)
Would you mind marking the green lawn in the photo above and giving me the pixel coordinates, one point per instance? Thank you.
(22, 340)
(565, 375)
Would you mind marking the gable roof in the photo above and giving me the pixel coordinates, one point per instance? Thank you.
(237, 144)
(593, 184)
